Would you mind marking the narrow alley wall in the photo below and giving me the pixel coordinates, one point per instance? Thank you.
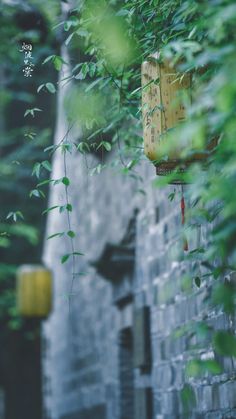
(116, 350)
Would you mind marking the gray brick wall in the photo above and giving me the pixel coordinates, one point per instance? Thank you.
(81, 342)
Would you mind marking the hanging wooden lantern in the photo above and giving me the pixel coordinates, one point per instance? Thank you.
(34, 291)
(163, 111)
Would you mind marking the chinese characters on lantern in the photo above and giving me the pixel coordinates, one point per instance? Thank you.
(28, 58)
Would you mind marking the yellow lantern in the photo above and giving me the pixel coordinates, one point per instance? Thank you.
(34, 291)
(161, 110)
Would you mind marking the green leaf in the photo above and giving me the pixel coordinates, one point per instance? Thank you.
(203, 330)
(32, 111)
(57, 181)
(47, 165)
(72, 21)
(30, 135)
(123, 12)
(37, 193)
(27, 112)
(197, 281)
(171, 196)
(69, 207)
(67, 41)
(44, 182)
(82, 32)
(188, 398)
(65, 258)
(66, 147)
(131, 164)
(79, 76)
(24, 230)
(50, 148)
(71, 234)
(50, 209)
(93, 84)
(198, 367)
(40, 87)
(106, 145)
(49, 58)
(55, 235)
(15, 215)
(213, 366)
(193, 368)
(80, 274)
(224, 295)
(68, 255)
(66, 181)
(4, 242)
(82, 147)
(36, 169)
(58, 62)
(50, 87)
(76, 67)
(224, 343)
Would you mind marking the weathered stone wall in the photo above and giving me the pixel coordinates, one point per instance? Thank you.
(83, 359)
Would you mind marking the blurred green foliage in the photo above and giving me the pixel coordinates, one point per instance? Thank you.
(25, 132)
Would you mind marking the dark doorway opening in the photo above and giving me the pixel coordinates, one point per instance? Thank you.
(126, 371)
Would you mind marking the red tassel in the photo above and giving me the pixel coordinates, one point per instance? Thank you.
(183, 210)
(185, 244)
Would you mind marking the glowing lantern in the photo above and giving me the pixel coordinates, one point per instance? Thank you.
(34, 291)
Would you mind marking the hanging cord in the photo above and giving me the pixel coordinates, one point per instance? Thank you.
(185, 243)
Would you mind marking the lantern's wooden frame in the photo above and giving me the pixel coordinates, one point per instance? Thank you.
(162, 111)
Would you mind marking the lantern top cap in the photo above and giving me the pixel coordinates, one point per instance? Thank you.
(27, 268)
(155, 56)
(159, 58)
